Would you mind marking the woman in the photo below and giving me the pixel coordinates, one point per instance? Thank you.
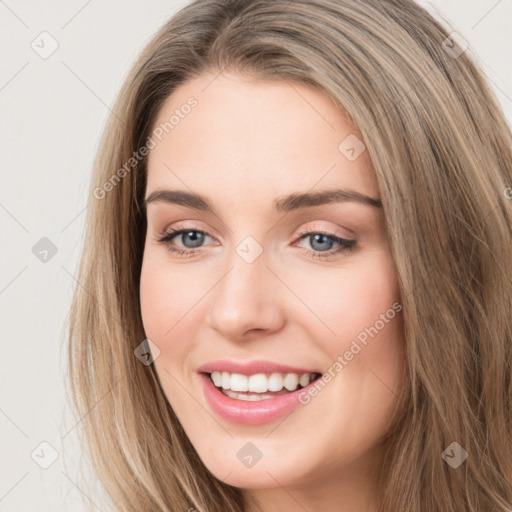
(223, 357)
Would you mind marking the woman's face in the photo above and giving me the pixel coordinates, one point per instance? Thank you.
(271, 277)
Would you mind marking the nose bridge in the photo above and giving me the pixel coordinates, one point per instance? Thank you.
(245, 297)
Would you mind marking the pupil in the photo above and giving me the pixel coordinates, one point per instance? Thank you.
(195, 236)
(321, 240)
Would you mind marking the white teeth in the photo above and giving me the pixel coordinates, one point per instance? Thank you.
(257, 383)
(275, 382)
(304, 380)
(239, 382)
(291, 381)
(217, 378)
(260, 382)
(247, 398)
(225, 380)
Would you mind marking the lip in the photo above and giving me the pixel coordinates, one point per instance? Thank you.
(251, 367)
(250, 413)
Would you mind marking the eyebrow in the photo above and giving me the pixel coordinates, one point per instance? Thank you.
(296, 201)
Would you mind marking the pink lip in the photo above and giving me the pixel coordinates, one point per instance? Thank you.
(250, 413)
(251, 367)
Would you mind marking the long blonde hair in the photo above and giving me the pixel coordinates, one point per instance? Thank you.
(442, 153)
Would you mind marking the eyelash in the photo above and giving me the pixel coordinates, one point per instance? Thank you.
(167, 236)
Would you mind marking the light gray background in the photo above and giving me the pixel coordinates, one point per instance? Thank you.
(53, 111)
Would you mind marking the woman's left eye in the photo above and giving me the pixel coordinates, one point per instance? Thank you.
(321, 242)
(322, 239)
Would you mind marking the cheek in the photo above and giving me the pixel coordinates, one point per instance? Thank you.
(364, 312)
(155, 299)
(367, 294)
(166, 295)
(353, 300)
(161, 297)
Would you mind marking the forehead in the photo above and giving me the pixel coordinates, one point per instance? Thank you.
(247, 136)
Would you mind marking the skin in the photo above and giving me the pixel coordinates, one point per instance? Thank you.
(245, 144)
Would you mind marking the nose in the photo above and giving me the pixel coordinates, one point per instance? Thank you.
(246, 300)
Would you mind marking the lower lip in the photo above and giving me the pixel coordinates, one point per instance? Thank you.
(250, 413)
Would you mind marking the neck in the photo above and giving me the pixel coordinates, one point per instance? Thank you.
(353, 489)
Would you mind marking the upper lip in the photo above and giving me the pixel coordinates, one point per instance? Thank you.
(251, 367)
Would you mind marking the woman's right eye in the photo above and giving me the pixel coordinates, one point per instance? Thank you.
(196, 236)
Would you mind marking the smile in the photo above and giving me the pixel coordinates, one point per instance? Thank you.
(254, 399)
(260, 386)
